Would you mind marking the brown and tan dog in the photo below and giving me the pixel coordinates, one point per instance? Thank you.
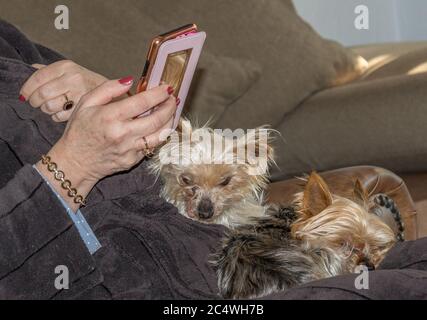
(321, 235)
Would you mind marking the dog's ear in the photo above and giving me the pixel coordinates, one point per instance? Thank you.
(255, 150)
(360, 194)
(317, 196)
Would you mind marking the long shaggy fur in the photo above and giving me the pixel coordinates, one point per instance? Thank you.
(261, 259)
(232, 185)
(269, 249)
(348, 227)
(325, 236)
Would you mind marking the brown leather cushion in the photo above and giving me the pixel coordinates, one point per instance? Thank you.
(416, 184)
(341, 182)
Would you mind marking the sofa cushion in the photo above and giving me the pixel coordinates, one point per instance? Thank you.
(378, 122)
(378, 119)
(390, 60)
(219, 81)
(112, 37)
(295, 60)
(372, 51)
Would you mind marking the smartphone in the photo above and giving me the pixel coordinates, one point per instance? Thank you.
(172, 58)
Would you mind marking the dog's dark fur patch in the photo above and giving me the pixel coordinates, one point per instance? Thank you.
(263, 258)
(259, 259)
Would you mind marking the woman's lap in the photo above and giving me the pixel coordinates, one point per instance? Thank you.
(155, 254)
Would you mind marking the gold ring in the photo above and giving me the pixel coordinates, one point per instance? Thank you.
(146, 143)
(68, 105)
(148, 152)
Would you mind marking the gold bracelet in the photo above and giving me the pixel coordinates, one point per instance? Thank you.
(65, 184)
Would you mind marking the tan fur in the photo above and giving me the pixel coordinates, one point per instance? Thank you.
(324, 220)
(187, 183)
(344, 225)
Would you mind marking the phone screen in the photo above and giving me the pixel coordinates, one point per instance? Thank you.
(174, 71)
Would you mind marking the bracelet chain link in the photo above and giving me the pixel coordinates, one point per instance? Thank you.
(65, 184)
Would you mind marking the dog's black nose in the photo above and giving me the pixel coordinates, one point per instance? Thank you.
(205, 209)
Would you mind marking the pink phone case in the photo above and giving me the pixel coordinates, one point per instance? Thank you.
(188, 46)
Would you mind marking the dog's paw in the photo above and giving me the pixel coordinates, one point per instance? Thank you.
(386, 209)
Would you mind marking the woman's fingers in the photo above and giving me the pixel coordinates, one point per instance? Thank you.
(55, 105)
(156, 120)
(154, 139)
(41, 77)
(62, 116)
(51, 90)
(140, 103)
(50, 87)
(143, 127)
(106, 92)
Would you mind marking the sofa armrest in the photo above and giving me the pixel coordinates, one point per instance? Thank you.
(373, 51)
(341, 182)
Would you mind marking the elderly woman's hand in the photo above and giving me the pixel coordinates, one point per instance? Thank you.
(104, 137)
(51, 86)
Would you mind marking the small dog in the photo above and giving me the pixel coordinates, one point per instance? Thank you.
(321, 235)
(210, 177)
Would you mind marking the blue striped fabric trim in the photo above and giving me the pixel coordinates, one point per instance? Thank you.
(85, 231)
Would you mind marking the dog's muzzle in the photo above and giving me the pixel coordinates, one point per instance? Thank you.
(205, 209)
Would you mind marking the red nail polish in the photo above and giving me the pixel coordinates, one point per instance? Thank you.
(178, 101)
(22, 98)
(170, 90)
(126, 81)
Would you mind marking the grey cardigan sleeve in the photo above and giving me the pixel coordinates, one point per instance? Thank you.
(36, 236)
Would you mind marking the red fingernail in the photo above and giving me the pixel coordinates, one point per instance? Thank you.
(127, 81)
(22, 98)
(170, 90)
(178, 101)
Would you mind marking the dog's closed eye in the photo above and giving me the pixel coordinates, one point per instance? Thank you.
(185, 179)
(225, 182)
